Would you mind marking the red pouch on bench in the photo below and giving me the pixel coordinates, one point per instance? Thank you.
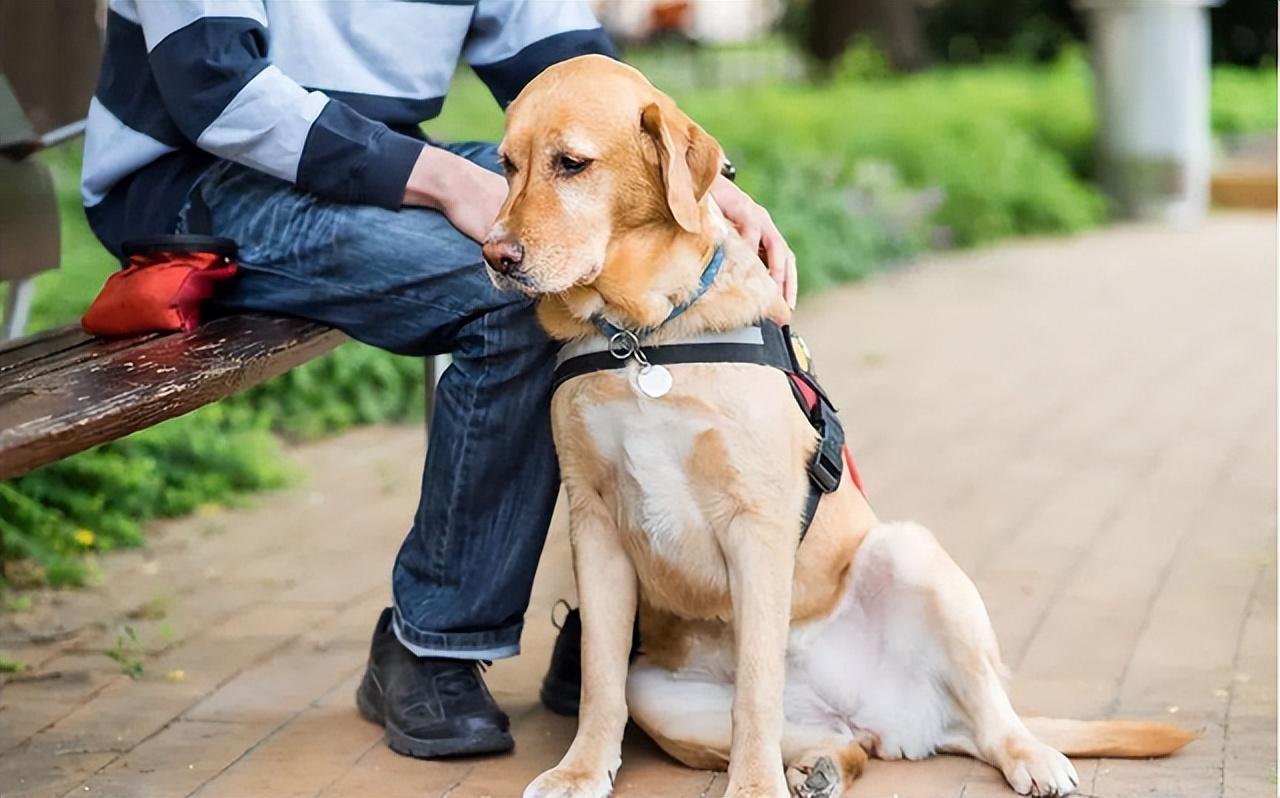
(162, 287)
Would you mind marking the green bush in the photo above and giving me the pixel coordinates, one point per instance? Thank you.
(861, 172)
(1007, 146)
(356, 384)
(1244, 100)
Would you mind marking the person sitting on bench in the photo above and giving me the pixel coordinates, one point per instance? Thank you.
(293, 128)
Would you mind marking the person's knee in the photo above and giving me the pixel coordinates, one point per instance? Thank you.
(509, 329)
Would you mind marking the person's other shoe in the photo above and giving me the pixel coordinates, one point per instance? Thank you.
(563, 683)
(429, 706)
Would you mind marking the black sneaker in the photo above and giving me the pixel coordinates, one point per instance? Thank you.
(430, 706)
(563, 682)
(562, 686)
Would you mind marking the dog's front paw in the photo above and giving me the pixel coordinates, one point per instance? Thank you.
(566, 783)
(1033, 768)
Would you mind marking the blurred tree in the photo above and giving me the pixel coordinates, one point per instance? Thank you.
(968, 30)
(827, 27)
(914, 32)
(1244, 32)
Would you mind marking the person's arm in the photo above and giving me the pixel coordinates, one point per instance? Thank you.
(211, 62)
(466, 193)
(511, 41)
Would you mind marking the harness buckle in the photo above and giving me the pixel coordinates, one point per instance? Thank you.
(827, 467)
(825, 473)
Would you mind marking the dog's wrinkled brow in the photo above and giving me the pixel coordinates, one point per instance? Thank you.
(577, 145)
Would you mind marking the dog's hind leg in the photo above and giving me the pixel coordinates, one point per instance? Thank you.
(903, 576)
(823, 764)
(690, 717)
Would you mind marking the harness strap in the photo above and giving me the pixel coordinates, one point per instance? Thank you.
(765, 345)
(826, 468)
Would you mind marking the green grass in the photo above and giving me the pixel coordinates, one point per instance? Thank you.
(10, 665)
(127, 652)
(16, 603)
(864, 171)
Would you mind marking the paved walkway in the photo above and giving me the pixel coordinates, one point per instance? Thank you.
(1088, 424)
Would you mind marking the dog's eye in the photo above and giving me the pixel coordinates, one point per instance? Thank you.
(508, 168)
(569, 165)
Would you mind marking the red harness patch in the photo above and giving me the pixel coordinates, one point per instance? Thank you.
(808, 395)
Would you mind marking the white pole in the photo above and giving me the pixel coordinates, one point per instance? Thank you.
(17, 308)
(1151, 64)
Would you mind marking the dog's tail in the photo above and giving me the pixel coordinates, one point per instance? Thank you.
(1122, 739)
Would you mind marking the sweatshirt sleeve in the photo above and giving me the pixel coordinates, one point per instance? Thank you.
(511, 41)
(211, 61)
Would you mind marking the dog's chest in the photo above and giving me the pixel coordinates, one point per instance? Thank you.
(649, 444)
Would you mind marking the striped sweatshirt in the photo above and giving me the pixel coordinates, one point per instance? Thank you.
(326, 94)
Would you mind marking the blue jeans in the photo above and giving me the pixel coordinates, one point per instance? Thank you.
(409, 282)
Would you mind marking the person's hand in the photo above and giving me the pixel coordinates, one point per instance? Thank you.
(467, 194)
(757, 227)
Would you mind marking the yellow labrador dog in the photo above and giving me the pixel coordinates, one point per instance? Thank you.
(790, 662)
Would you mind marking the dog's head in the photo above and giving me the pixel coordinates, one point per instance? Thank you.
(593, 154)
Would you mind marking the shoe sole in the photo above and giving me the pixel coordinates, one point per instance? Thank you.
(491, 742)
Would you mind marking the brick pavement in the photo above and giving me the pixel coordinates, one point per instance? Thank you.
(1088, 424)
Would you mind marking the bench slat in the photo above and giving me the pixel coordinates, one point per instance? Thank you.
(97, 391)
(19, 352)
(65, 352)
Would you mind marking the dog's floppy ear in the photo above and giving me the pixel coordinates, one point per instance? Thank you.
(688, 158)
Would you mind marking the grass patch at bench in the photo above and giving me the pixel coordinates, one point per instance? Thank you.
(867, 170)
(96, 501)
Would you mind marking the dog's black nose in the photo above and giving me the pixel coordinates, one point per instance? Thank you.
(504, 255)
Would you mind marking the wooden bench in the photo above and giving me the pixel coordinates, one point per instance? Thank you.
(63, 391)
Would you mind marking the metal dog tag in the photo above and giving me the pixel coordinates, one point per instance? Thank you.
(653, 381)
